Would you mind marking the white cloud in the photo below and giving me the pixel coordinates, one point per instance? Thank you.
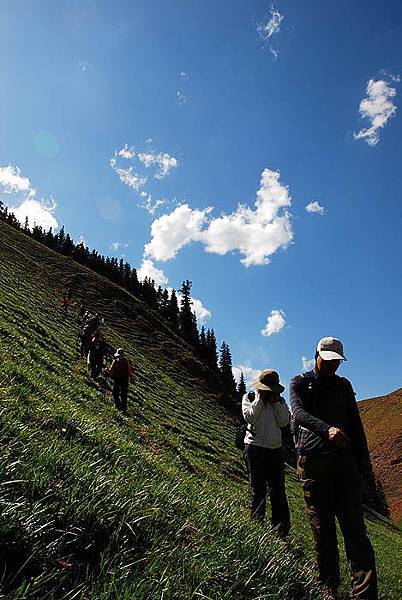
(181, 97)
(308, 364)
(148, 269)
(149, 204)
(249, 373)
(275, 53)
(83, 64)
(126, 152)
(164, 162)
(378, 108)
(201, 312)
(38, 212)
(130, 178)
(256, 234)
(315, 207)
(12, 181)
(114, 246)
(273, 25)
(21, 199)
(184, 75)
(174, 230)
(275, 322)
(82, 241)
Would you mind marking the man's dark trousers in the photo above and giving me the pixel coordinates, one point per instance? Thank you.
(120, 390)
(266, 469)
(331, 488)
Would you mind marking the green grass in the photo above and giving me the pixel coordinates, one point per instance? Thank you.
(94, 505)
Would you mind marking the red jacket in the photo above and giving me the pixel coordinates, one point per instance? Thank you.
(121, 368)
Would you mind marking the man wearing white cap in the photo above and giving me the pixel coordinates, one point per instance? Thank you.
(266, 412)
(332, 449)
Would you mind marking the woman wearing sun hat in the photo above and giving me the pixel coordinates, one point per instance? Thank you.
(266, 413)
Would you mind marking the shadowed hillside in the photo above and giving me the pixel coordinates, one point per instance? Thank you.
(382, 419)
(95, 505)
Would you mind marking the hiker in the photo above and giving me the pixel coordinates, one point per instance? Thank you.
(120, 371)
(97, 352)
(85, 338)
(332, 450)
(266, 412)
(65, 303)
(81, 313)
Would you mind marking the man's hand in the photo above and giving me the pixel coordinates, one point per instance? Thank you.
(338, 437)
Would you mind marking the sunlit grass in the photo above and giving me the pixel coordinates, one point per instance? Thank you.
(96, 505)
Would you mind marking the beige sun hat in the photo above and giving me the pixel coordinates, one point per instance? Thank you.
(268, 380)
(329, 348)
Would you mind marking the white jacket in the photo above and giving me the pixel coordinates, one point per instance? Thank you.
(266, 420)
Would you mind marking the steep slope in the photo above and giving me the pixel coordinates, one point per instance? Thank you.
(382, 418)
(95, 505)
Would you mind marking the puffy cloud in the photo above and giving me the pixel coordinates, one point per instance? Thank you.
(174, 230)
(275, 322)
(249, 373)
(38, 212)
(378, 108)
(315, 207)
(21, 198)
(256, 234)
(148, 269)
(308, 364)
(12, 181)
(201, 312)
(126, 152)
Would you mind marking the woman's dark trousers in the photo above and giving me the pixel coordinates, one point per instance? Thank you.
(120, 389)
(266, 470)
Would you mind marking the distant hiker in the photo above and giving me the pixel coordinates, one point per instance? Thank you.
(65, 303)
(85, 339)
(120, 371)
(332, 449)
(96, 354)
(266, 412)
(81, 313)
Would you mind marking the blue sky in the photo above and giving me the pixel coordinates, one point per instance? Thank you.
(153, 125)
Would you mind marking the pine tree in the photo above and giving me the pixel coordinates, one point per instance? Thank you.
(173, 310)
(203, 350)
(212, 355)
(241, 388)
(187, 319)
(225, 368)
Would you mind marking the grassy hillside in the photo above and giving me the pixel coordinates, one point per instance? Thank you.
(382, 418)
(95, 505)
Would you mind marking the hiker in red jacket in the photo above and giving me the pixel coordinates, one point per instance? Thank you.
(120, 370)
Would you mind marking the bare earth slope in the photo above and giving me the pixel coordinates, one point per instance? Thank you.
(382, 419)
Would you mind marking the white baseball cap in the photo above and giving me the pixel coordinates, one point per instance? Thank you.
(330, 348)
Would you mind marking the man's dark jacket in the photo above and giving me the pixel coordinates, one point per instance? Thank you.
(319, 403)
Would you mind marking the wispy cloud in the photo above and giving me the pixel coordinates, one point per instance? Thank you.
(308, 363)
(378, 107)
(315, 207)
(275, 322)
(270, 28)
(150, 204)
(256, 234)
(18, 194)
(181, 97)
(115, 246)
(184, 75)
(141, 165)
(250, 374)
(84, 65)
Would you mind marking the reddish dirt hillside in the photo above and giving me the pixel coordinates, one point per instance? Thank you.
(382, 419)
